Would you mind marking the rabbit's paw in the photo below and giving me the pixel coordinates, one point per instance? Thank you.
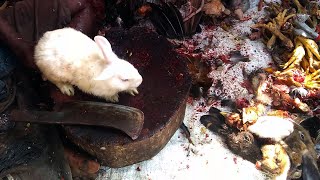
(66, 89)
(133, 92)
(114, 98)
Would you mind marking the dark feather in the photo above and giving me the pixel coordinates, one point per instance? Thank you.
(236, 56)
(167, 20)
(160, 21)
(195, 23)
(176, 19)
(186, 131)
(191, 21)
(197, 17)
(168, 17)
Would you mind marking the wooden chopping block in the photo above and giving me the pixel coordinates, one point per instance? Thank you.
(162, 98)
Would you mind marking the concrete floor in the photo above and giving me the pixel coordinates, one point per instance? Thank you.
(209, 158)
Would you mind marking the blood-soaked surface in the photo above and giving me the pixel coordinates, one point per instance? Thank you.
(165, 85)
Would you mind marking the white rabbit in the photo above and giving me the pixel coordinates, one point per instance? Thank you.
(67, 57)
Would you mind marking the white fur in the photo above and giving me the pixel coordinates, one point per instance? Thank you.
(67, 57)
(273, 127)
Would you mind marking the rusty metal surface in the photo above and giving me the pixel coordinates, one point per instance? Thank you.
(162, 99)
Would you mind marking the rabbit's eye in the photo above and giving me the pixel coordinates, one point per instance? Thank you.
(125, 80)
(301, 135)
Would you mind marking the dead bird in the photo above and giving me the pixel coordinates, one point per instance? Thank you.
(240, 143)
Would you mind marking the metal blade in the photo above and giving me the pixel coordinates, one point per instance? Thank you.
(127, 119)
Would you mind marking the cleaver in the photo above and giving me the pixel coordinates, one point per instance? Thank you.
(127, 119)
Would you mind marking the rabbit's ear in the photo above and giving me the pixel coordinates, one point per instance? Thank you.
(106, 49)
(105, 74)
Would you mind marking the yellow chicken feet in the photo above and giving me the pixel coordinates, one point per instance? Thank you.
(312, 81)
(297, 55)
(275, 28)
